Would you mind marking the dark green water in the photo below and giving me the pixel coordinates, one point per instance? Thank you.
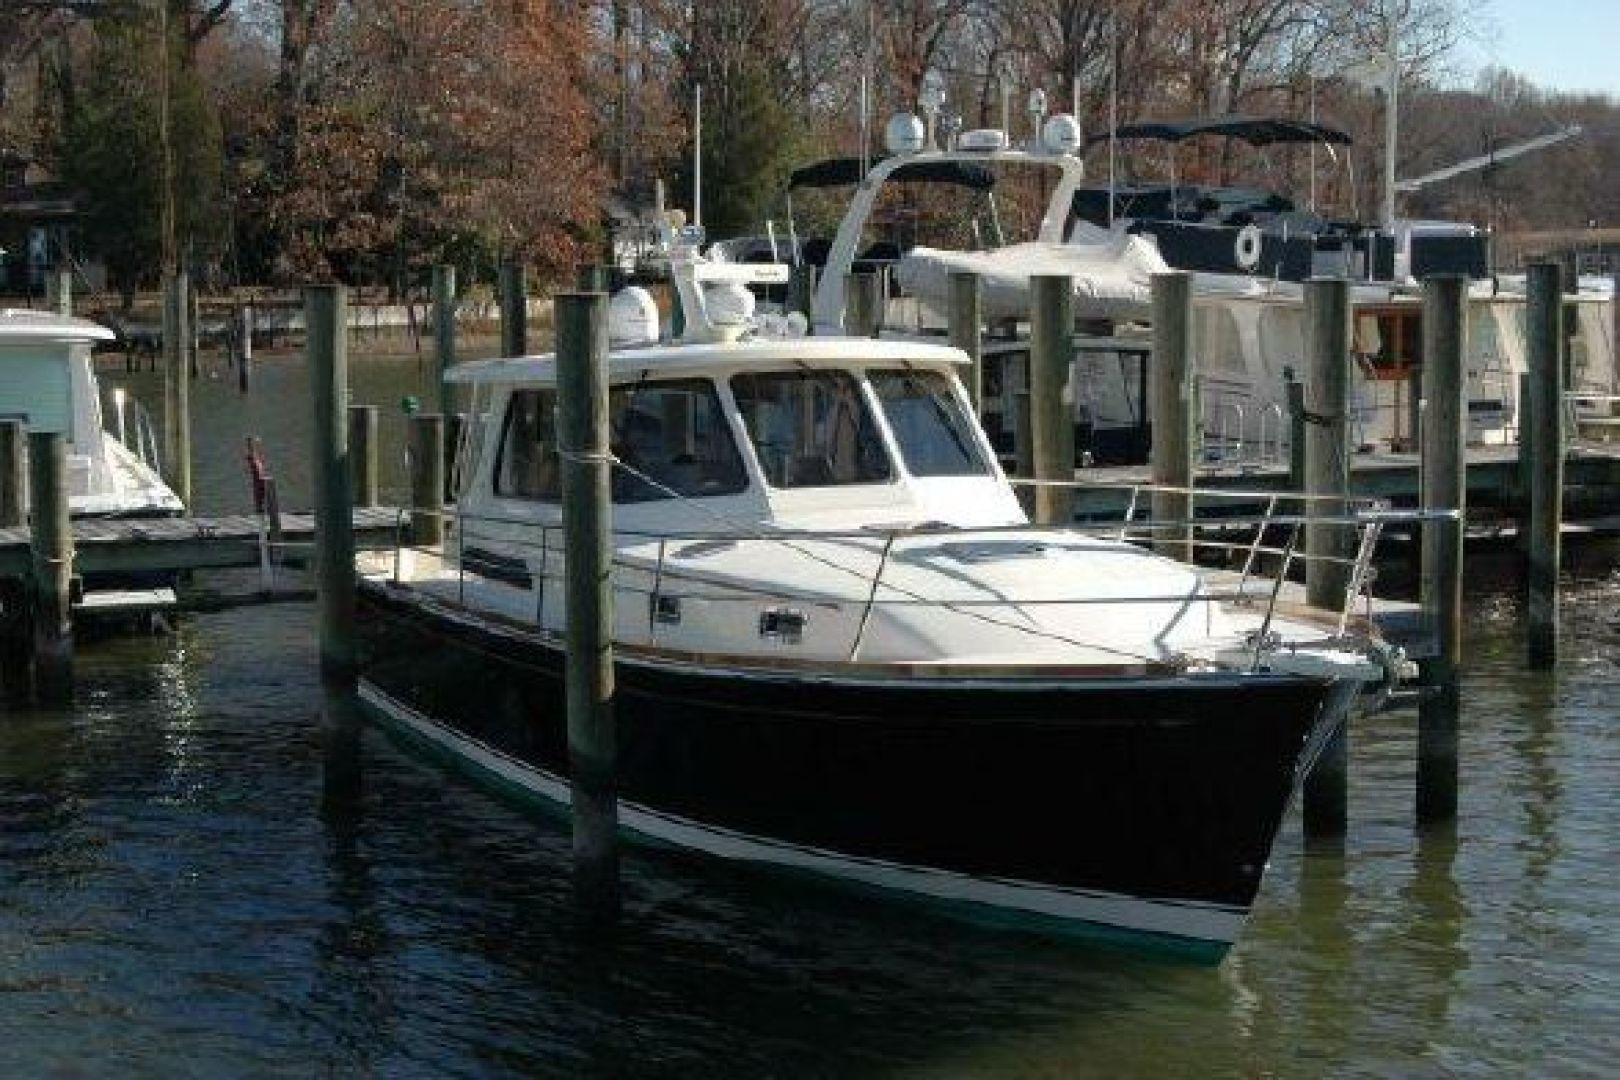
(195, 882)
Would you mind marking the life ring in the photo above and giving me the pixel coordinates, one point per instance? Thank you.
(1247, 249)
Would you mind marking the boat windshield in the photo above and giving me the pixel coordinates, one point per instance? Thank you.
(810, 428)
(934, 434)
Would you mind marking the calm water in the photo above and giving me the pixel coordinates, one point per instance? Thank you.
(195, 880)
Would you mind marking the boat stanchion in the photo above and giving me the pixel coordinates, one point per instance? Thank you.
(1444, 426)
(967, 329)
(1171, 412)
(326, 328)
(177, 383)
(864, 314)
(1327, 473)
(444, 328)
(1051, 395)
(51, 572)
(582, 421)
(427, 479)
(1544, 357)
(363, 454)
(514, 309)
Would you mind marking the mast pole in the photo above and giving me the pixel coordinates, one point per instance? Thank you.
(1113, 103)
(1391, 112)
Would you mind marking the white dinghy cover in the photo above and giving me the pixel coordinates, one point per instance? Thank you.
(1112, 277)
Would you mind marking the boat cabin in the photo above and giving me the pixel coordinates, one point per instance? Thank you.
(48, 382)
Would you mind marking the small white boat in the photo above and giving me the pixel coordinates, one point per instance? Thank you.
(48, 381)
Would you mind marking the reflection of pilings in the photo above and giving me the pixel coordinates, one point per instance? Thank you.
(1436, 916)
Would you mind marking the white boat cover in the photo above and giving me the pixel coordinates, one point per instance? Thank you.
(1112, 277)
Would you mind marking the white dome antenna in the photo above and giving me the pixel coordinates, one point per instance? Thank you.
(904, 134)
(1061, 134)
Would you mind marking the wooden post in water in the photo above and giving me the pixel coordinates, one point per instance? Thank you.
(326, 328)
(13, 473)
(1295, 389)
(1545, 341)
(427, 479)
(52, 584)
(514, 310)
(863, 305)
(59, 291)
(1443, 484)
(1170, 411)
(363, 454)
(582, 422)
(1327, 472)
(444, 328)
(244, 348)
(177, 384)
(967, 329)
(1051, 395)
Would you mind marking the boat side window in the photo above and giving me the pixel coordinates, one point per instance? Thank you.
(673, 433)
(934, 434)
(810, 428)
(527, 467)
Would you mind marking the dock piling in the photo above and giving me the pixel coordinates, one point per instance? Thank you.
(1326, 422)
(244, 348)
(427, 479)
(1170, 411)
(177, 383)
(1295, 389)
(1051, 395)
(863, 316)
(1443, 487)
(594, 277)
(444, 328)
(514, 310)
(1544, 356)
(967, 329)
(13, 473)
(363, 454)
(52, 568)
(326, 322)
(582, 416)
(59, 291)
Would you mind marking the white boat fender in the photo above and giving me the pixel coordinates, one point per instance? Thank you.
(1247, 248)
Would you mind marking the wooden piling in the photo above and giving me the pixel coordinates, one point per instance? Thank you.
(427, 479)
(967, 329)
(244, 348)
(582, 421)
(863, 316)
(59, 291)
(1327, 472)
(13, 473)
(514, 310)
(52, 569)
(1443, 487)
(1051, 395)
(1295, 389)
(177, 384)
(1544, 355)
(326, 326)
(1170, 411)
(444, 328)
(363, 454)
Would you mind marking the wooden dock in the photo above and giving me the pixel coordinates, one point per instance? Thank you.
(1497, 486)
(155, 545)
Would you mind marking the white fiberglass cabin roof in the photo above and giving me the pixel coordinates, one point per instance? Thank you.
(24, 327)
(697, 359)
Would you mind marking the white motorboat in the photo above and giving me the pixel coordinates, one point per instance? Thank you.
(842, 649)
(48, 381)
